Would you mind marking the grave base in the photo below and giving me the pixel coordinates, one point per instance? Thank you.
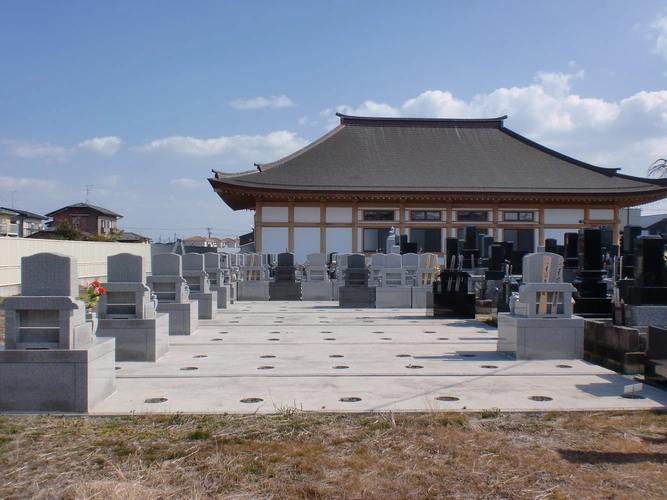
(137, 339)
(316, 291)
(360, 298)
(393, 297)
(208, 304)
(223, 292)
(233, 291)
(422, 297)
(593, 307)
(645, 315)
(540, 338)
(58, 380)
(454, 305)
(249, 290)
(335, 289)
(183, 318)
(284, 290)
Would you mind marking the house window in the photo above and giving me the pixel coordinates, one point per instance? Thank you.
(425, 215)
(378, 215)
(472, 216)
(375, 239)
(518, 216)
(427, 240)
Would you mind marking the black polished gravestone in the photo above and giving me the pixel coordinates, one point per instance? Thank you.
(551, 245)
(356, 292)
(650, 287)
(470, 251)
(450, 296)
(285, 286)
(453, 253)
(592, 299)
(628, 240)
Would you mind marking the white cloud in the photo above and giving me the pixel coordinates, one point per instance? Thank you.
(107, 146)
(630, 133)
(187, 183)
(303, 120)
(36, 150)
(658, 33)
(280, 101)
(234, 149)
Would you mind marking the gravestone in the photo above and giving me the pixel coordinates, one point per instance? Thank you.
(646, 302)
(52, 360)
(591, 299)
(470, 251)
(410, 264)
(171, 290)
(540, 324)
(254, 283)
(453, 258)
(428, 270)
(392, 291)
(377, 263)
(357, 291)
(571, 264)
(218, 278)
(231, 277)
(339, 266)
(450, 295)
(285, 286)
(317, 285)
(200, 287)
(127, 312)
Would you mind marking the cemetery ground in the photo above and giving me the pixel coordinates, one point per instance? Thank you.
(439, 414)
(295, 454)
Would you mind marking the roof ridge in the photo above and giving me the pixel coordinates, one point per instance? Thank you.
(406, 121)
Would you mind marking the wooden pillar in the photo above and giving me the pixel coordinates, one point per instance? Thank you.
(258, 226)
(323, 228)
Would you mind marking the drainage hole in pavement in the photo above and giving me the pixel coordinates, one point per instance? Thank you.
(277, 321)
(336, 356)
(329, 338)
(443, 338)
(468, 355)
(350, 400)
(403, 356)
(632, 395)
(233, 321)
(265, 367)
(118, 368)
(273, 340)
(446, 398)
(325, 331)
(323, 317)
(385, 338)
(378, 332)
(155, 400)
(189, 368)
(340, 367)
(252, 400)
(563, 366)
(223, 333)
(264, 356)
(216, 340)
(414, 321)
(490, 367)
(274, 333)
(429, 331)
(369, 321)
(280, 317)
(540, 398)
(414, 367)
(200, 356)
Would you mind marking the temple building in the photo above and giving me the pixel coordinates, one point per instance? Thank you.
(428, 178)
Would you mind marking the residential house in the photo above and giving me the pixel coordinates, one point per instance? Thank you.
(86, 218)
(27, 223)
(7, 227)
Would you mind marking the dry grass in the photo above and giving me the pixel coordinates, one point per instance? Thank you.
(297, 455)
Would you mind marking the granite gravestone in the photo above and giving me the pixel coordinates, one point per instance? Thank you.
(52, 360)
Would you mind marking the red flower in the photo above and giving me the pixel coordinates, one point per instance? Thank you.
(101, 290)
(95, 283)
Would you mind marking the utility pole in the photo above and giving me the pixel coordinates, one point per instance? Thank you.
(13, 193)
(209, 231)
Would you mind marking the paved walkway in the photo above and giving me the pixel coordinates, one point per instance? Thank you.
(317, 357)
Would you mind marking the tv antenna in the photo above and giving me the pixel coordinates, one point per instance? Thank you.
(89, 189)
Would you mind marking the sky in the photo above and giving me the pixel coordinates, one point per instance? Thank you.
(132, 104)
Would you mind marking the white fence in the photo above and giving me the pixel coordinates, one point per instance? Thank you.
(90, 255)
